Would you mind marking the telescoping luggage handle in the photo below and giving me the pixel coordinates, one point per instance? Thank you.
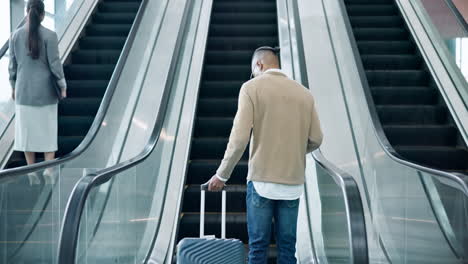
(203, 189)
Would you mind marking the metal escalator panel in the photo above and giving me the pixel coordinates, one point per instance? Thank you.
(237, 28)
(33, 202)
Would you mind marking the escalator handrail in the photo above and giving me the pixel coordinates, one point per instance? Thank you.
(6, 45)
(68, 240)
(378, 129)
(354, 208)
(4, 48)
(458, 15)
(99, 118)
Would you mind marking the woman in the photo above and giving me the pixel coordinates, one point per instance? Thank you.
(37, 79)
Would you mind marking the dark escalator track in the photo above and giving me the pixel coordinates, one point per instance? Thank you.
(237, 28)
(412, 112)
(88, 70)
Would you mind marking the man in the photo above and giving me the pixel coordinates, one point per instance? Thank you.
(280, 117)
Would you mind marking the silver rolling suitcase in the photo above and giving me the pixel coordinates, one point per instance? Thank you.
(210, 250)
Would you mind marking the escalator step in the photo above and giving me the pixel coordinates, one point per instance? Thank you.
(227, 72)
(412, 114)
(244, 18)
(242, 57)
(108, 30)
(102, 43)
(79, 106)
(213, 127)
(68, 143)
(217, 107)
(86, 88)
(119, 7)
(201, 170)
(89, 72)
(397, 78)
(374, 34)
(211, 148)
(241, 30)
(444, 158)
(74, 125)
(376, 21)
(114, 18)
(244, 7)
(371, 10)
(217, 89)
(89, 56)
(404, 95)
(240, 43)
(392, 62)
(442, 135)
(386, 47)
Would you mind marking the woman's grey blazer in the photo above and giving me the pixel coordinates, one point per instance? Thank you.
(32, 79)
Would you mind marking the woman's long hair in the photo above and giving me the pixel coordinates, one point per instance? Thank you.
(35, 10)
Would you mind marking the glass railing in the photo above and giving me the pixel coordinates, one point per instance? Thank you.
(114, 214)
(336, 214)
(448, 30)
(32, 209)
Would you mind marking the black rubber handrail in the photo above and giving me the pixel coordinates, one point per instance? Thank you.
(460, 179)
(68, 240)
(354, 208)
(99, 118)
(6, 45)
(458, 15)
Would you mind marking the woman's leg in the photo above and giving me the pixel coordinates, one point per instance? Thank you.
(49, 155)
(49, 172)
(30, 157)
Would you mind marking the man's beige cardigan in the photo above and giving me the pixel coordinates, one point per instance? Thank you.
(279, 115)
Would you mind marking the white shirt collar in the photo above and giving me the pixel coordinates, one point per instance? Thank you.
(277, 70)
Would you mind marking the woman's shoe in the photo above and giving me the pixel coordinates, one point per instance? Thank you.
(34, 178)
(49, 176)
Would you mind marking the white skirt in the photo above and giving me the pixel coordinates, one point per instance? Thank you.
(36, 128)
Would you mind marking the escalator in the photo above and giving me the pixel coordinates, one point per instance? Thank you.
(237, 28)
(414, 177)
(151, 201)
(412, 112)
(88, 71)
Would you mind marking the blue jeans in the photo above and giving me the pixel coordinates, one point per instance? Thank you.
(260, 214)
